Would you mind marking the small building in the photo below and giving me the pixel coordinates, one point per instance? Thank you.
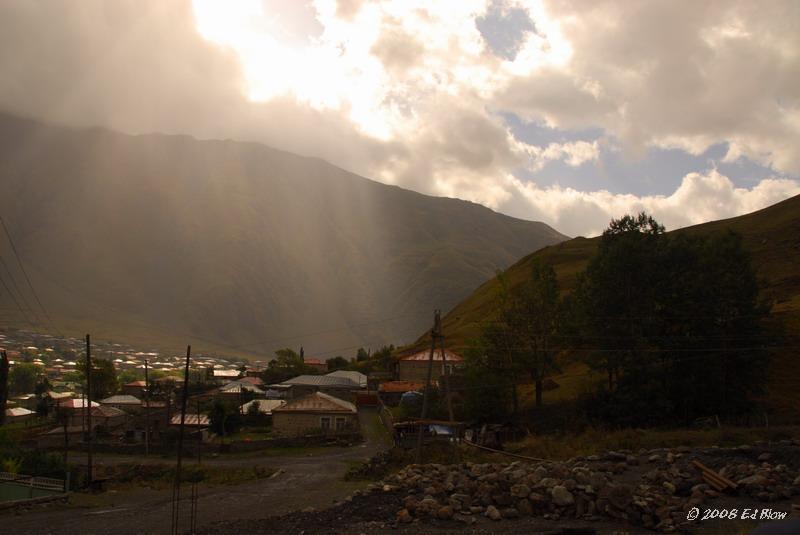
(390, 392)
(303, 385)
(19, 414)
(134, 388)
(222, 376)
(123, 402)
(76, 404)
(237, 388)
(357, 377)
(314, 412)
(415, 367)
(316, 364)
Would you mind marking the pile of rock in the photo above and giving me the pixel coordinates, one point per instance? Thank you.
(658, 496)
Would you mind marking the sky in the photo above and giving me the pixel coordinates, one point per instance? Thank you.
(567, 112)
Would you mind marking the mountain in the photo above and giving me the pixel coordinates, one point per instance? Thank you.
(771, 235)
(234, 247)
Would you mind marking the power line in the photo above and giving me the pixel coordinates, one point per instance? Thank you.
(16, 288)
(14, 299)
(27, 279)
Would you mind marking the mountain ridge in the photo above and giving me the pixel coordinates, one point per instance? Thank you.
(236, 242)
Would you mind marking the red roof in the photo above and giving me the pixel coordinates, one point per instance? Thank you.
(252, 380)
(136, 383)
(395, 387)
(437, 356)
(314, 362)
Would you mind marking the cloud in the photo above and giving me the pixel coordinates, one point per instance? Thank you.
(701, 197)
(675, 74)
(415, 93)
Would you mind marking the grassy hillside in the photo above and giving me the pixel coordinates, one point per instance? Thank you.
(164, 240)
(772, 235)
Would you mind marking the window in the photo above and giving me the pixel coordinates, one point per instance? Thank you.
(340, 424)
(325, 422)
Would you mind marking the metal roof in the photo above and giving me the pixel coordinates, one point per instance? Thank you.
(437, 356)
(317, 402)
(357, 377)
(121, 399)
(321, 380)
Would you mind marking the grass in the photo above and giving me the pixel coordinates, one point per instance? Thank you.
(562, 447)
(160, 476)
(770, 235)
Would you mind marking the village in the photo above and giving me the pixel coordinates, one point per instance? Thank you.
(140, 407)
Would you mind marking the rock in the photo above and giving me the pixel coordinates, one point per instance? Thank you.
(404, 516)
(620, 496)
(669, 486)
(520, 491)
(524, 507)
(755, 480)
(654, 458)
(493, 513)
(445, 513)
(561, 496)
(764, 457)
(510, 512)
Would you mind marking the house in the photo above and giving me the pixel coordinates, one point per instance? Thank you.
(390, 392)
(312, 413)
(134, 388)
(75, 404)
(223, 376)
(357, 377)
(316, 364)
(415, 367)
(255, 381)
(18, 414)
(123, 402)
(303, 385)
(237, 387)
(108, 418)
(265, 406)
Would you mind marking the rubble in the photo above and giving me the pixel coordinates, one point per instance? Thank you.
(588, 488)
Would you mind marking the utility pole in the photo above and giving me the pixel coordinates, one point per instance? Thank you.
(3, 385)
(176, 489)
(446, 370)
(426, 394)
(146, 409)
(89, 409)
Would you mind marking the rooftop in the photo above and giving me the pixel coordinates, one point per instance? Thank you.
(317, 402)
(321, 380)
(357, 377)
(121, 400)
(437, 356)
(265, 406)
(400, 386)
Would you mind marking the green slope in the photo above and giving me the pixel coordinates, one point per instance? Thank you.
(163, 240)
(772, 235)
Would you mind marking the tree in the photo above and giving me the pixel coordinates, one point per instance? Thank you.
(362, 354)
(337, 363)
(533, 318)
(104, 378)
(223, 419)
(285, 365)
(617, 292)
(22, 378)
(675, 322)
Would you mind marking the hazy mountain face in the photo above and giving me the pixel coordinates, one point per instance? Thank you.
(156, 238)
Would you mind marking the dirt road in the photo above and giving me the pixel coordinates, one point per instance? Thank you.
(301, 481)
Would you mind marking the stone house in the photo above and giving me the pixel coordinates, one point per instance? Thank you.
(313, 413)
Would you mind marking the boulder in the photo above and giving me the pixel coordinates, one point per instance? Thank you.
(561, 496)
